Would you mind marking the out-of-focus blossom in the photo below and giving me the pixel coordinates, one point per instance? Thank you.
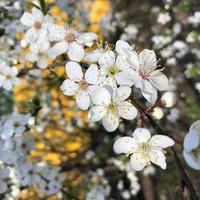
(163, 18)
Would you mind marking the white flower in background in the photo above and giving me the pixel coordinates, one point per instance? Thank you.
(143, 74)
(8, 76)
(168, 99)
(191, 145)
(4, 174)
(111, 106)
(163, 18)
(69, 41)
(79, 85)
(194, 19)
(16, 124)
(37, 23)
(39, 53)
(144, 149)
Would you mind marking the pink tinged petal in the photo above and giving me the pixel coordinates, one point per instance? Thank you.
(42, 62)
(161, 141)
(147, 58)
(110, 122)
(191, 160)
(191, 140)
(159, 80)
(74, 71)
(107, 59)
(69, 87)
(122, 46)
(83, 100)
(93, 56)
(31, 35)
(141, 135)
(37, 14)
(92, 74)
(31, 57)
(127, 111)
(56, 33)
(122, 93)
(86, 37)
(101, 96)
(75, 52)
(58, 49)
(158, 158)
(97, 113)
(125, 145)
(138, 161)
(27, 19)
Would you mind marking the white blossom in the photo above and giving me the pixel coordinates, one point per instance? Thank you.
(110, 106)
(4, 174)
(144, 149)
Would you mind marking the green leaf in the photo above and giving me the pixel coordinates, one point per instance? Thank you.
(30, 4)
(34, 105)
(43, 6)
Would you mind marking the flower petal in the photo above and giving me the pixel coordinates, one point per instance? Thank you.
(107, 59)
(127, 111)
(58, 49)
(56, 33)
(42, 62)
(158, 157)
(86, 37)
(31, 35)
(142, 134)
(138, 161)
(74, 71)
(76, 52)
(147, 58)
(110, 122)
(27, 19)
(92, 74)
(121, 47)
(191, 160)
(191, 140)
(37, 14)
(161, 141)
(93, 56)
(125, 145)
(122, 93)
(69, 87)
(100, 96)
(159, 80)
(97, 113)
(31, 57)
(83, 100)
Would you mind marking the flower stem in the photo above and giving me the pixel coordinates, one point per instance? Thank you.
(182, 173)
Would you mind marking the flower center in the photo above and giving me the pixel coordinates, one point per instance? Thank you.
(70, 37)
(37, 25)
(16, 124)
(145, 147)
(83, 85)
(196, 152)
(112, 107)
(113, 70)
(145, 72)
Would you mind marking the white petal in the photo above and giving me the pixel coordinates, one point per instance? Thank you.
(191, 141)
(161, 141)
(37, 14)
(69, 87)
(42, 62)
(121, 62)
(74, 71)
(191, 161)
(125, 145)
(101, 96)
(58, 49)
(159, 80)
(147, 58)
(142, 134)
(92, 74)
(3, 187)
(93, 56)
(122, 93)
(31, 57)
(27, 19)
(76, 52)
(122, 46)
(127, 111)
(132, 59)
(83, 100)
(158, 157)
(107, 59)
(110, 122)
(97, 113)
(56, 33)
(138, 161)
(86, 37)
(31, 35)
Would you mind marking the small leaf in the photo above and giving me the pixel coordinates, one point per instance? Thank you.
(34, 105)
(43, 6)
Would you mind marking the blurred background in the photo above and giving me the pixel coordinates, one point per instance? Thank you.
(63, 134)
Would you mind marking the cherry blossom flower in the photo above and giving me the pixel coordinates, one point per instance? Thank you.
(79, 85)
(39, 53)
(4, 174)
(8, 76)
(144, 74)
(111, 106)
(69, 41)
(191, 145)
(37, 23)
(144, 149)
